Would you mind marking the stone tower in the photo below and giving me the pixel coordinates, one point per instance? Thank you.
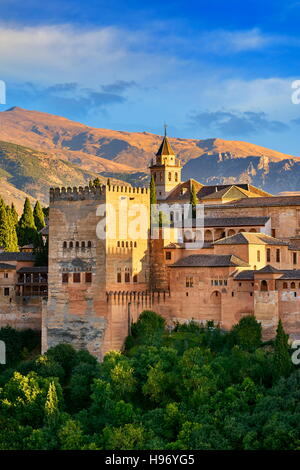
(166, 170)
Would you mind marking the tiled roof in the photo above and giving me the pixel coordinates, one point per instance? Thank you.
(247, 275)
(294, 248)
(209, 261)
(235, 221)
(268, 269)
(287, 274)
(16, 256)
(7, 266)
(245, 238)
(265, 201)
(165, 148)
(176, 193)
(34, 269)
(291, 274)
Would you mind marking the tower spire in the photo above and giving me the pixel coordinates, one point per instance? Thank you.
(165, 127)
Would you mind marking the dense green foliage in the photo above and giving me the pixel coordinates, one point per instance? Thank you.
(195, 387)
(38, 216)
(8, 234)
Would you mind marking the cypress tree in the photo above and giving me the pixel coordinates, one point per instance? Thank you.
(51, 406)
(12, 238)
(4, 227)
(193, 200)
(152, 191)
(282, 359)
(38, 216)
(26, 229)
(14, 214)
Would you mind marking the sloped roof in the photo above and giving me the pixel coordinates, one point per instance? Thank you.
(176, 193)
(268, 269)
(7, 266)
(235, 221)
(209, 261)
(287, 274)
(34, 269)
(265, 201)
(16, 256)
(246, 238)
(165, 148)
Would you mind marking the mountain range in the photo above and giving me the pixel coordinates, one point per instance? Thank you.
(39, 150)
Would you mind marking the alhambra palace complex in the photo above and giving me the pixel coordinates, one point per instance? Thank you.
(94, 287)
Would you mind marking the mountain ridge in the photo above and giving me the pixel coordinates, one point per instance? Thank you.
(99, 151)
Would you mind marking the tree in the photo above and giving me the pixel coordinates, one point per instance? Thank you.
(4, 227)
(282, 359)
(153, 199)
(247, 333)
(12, 238)
(14, 214)
(26, 229)
(193, 200)
(149, 328)
(51, 406)
(38, 216)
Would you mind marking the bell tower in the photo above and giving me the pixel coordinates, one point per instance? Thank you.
(166, 169)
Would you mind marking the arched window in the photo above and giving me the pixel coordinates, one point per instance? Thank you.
(170, 176)
(65, 245)
(126, 244)
(258, 256)
(253, 230)
(122, 244)
(71, 245)
(89, 244)
(77, 245)
(264, 286)
(135, 244)
(293, 285)
(285, 285)
(176, 177)
(231, 232)
(118, 244)
(131, 244)
(82, 244)
(208, 237)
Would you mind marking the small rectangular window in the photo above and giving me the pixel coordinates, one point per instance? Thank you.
(258, 256)
(135, 278)
(76, 277)
(6, 290)
(225, 282)
(88, 277)
(119, 277)
(127, 277)
(168, 255)
(5, 275)
(278, 255)
(294, 258)
(268, 255)
(65, 278)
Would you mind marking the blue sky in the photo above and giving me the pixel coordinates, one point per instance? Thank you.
(209, 69)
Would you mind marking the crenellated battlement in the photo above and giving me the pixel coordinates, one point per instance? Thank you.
(91, 193)
(77, 193)
(127, 189)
